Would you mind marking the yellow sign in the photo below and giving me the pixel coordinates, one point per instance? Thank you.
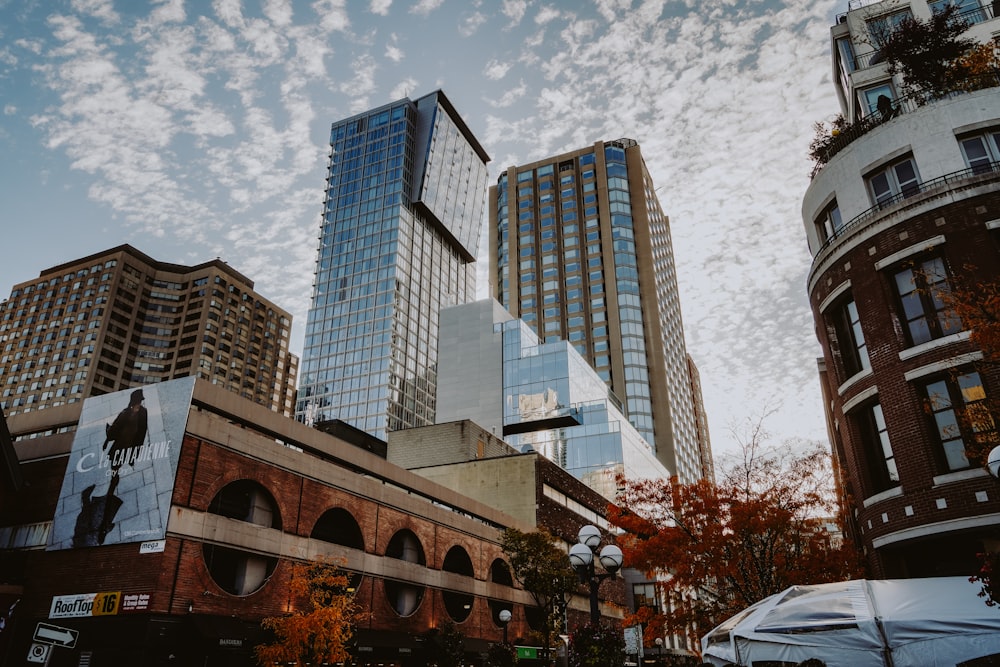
(106, 604)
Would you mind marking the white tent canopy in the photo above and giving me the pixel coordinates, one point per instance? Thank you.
(879, 623)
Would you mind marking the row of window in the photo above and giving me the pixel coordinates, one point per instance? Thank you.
(242, 573)
(954, 402)
(957, 414)
(901, 179)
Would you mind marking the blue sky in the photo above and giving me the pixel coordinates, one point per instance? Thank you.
(196, 130)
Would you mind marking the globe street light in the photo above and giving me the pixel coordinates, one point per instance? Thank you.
(504, 620)
(993, 462)
(581, 557)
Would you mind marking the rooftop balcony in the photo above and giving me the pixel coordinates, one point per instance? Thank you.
(970, 16)
(899, 107)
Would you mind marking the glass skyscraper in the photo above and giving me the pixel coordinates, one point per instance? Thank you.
(401, 226)
(580, 250)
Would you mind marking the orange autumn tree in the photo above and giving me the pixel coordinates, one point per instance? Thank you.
(320, 631)
(715, 549)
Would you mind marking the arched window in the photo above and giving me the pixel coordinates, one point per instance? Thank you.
(458, 605)
(246, 500)
(404, 597)
(237, 572)
(338, 526)
(500, 574)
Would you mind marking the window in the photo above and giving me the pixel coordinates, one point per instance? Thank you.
(962, 422)
(982, 151)
(881, 463)
(850, 338)
(922, 287)
(644, 595)
(829, 222)
(870, 98)
(967, 10)
(881, 27)
(894, 182)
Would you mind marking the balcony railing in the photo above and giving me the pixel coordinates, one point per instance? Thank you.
(926, 186)
(970, 16)
(900, 106)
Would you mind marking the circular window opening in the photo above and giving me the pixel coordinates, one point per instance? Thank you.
(338, 526)
(458, 605)
(500, 574)
(237, 572)
(246, 500)
(404, 597)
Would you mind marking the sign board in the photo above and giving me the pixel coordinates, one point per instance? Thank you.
(105, 603)
(39, 653)
(122, 467)
(530, 652)
(152, 547)
(633, 640)
(55, 635)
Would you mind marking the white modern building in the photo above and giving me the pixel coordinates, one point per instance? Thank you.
(545, 397)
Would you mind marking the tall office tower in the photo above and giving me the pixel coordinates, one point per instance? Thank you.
(119, 318)
(904, 204)
(580, 250)
(401, 227)
(705, 458)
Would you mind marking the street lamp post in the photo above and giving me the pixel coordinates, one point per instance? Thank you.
(504, 620)
(581, 557)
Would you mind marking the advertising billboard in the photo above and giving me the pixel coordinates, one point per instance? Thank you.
(121, 469)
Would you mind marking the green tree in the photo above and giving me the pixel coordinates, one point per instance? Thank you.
(319, 632)
(542, 568)
(596, 646)
(930, 54)
(501, 655)
(445, 646)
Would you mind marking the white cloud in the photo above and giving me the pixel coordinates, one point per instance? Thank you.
(425, 7)
(496, 70)
(9, 110)
(100, 9)
(332, 15)
(510, 96)
(471, 23)
(514, 10)
(229, 11)
(380, 7)
(392, 50)
(546, 14)
(404, 88)
(278, 12)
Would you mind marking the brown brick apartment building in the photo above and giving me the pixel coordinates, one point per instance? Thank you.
(119, 319)
(252, 492)
(905, 204)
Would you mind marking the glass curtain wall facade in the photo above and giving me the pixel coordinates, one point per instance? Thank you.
(551, 384)
(581, 251)
(401, 223)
